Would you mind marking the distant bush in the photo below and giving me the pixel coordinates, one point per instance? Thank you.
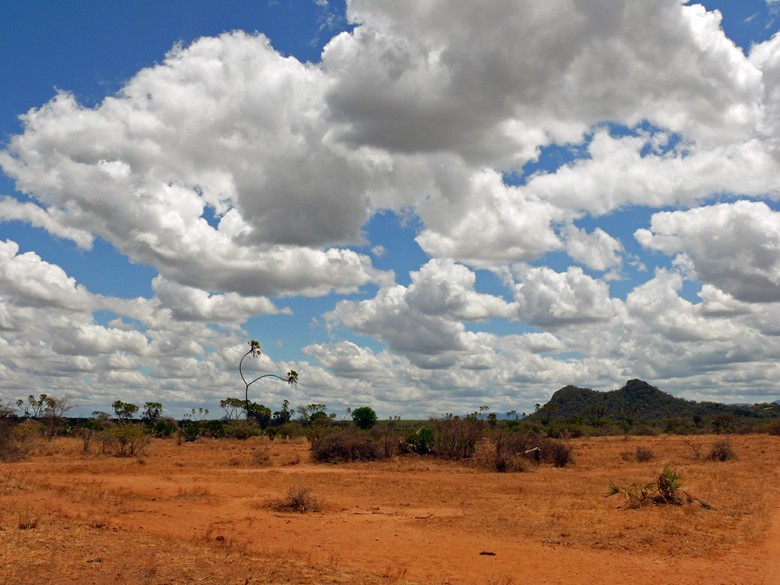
(213, 429)
(162, 427)
(289, 430)
(421, 441)
(721, 451)
(126, 439)
(345, 446)
(558, 453)
(242, 429)
(14, 443)
(515, 451)
(644, 454)
(388, 439)
(772, 427)
(457, 438)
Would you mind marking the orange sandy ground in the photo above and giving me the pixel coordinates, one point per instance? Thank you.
(205, 512)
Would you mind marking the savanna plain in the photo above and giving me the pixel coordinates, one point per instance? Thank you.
(260, 511)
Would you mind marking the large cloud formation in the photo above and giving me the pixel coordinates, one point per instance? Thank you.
(241, 174)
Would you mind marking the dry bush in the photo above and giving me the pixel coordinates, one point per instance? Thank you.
(641, 454)
(345, 446)
(721, 451)
(262, 457)
(516, 451)
(27, 521)
(644, 454)
(299, 499)
(457, 438)
(293, 459)
(695, 447)
(15, 443)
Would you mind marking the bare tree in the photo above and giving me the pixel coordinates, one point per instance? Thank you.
(254, 351)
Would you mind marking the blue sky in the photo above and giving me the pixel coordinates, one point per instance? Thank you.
(423, 207)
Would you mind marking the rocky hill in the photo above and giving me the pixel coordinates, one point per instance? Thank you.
(636, 402)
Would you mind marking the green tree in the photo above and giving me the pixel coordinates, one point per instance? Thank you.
(124, 410)
(364, 417)
(233, 407)
(260, 414)
(282, 416)
(33, 407)
(152, 412)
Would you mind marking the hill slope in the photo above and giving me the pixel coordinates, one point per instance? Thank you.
(637, 401)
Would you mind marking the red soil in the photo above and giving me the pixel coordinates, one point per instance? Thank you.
(209, 512)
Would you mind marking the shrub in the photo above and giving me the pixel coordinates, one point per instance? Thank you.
(127, 439)
(721, 451)
(644, 454)
(162, 427)
(299, 499)
(14, 444)
(510, 452)
(388, 439)
(242, 429)
(262, 458)
(457, 438)
(513, 451)
(214, 429)
(421, 441)
(290, 430)
(560, 454)
(339, 446)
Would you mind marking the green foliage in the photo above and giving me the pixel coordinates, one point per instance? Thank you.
(364, 417)
(666, 489)
(189, 432)
(126, 439)
(422, 440)
(242, 429)
(124, 410)
(163, 428)
(260, 414)
(290, 430)
(33, 407)
(283, 415)
(152, 412)
(233, 407)
(638, 406)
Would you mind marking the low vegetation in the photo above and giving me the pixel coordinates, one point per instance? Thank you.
(299, 499)
(665, 490)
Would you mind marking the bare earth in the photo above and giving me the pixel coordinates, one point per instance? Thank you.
(207, 512)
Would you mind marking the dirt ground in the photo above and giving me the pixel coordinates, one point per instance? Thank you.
(212, 512)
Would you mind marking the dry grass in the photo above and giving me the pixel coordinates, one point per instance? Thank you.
(188, 514)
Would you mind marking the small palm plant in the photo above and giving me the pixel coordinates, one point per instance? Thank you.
(636, 495)
(666, 489)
